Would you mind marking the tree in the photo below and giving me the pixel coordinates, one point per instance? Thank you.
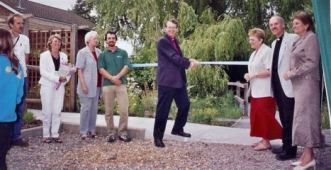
(84, 9)
(210, 30)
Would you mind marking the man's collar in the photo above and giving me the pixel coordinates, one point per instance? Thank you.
(170, 38)
(116, 49)
(280, 38)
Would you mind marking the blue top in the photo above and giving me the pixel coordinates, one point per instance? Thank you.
(11, 89)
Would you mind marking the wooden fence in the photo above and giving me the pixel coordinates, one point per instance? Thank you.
(38, 43)
(241, 96)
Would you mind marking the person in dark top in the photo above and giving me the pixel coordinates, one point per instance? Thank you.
(282, 89)
(171, 82)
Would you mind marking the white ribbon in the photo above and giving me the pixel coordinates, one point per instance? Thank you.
(200, 62)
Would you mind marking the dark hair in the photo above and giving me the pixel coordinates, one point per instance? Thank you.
(6, 47)
(174, 21)
(305, 18)
(12, 17)
(110, 32)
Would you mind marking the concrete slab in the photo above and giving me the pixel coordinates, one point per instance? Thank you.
(238, 134)
(200, 132)
(32, 132)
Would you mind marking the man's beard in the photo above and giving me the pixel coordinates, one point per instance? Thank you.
(111, 44)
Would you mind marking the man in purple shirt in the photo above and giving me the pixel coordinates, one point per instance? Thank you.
(171, 81)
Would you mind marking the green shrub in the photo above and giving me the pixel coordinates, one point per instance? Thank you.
(325, 116)
(173, 111)
(136, 108)
(228, 107)
(28, 117)
(101, 106)
(208, 109)
(134, 93)
(149, 99)
(204, 115)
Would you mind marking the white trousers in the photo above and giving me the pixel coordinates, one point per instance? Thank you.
(52, 104)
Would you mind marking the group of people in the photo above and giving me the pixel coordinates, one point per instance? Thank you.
(92, 65)
(287, 75)
(100, 73)
(103, 73)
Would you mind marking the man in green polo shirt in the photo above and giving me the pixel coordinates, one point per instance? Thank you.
(113, 66)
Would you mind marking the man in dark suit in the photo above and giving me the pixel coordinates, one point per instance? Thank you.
(282, 89)
(171, 80)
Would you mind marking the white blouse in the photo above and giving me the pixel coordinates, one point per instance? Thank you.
(260, 60)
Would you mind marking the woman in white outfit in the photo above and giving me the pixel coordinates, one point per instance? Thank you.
(52, 98)
(263, 107)
(89, 84)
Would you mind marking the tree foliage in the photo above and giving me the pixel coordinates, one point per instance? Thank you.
(84, 9)
(210, 30)
(221, 41)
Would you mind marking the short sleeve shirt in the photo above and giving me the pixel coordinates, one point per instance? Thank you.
(21, 48)
(113, 62)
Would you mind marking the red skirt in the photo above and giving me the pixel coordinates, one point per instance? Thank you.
(262, 119)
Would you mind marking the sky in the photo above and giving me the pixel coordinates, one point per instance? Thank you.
(62, 4)
(68, 4)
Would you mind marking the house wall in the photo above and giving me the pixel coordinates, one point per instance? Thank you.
(4, 11)
(43, 24)
(38, 30)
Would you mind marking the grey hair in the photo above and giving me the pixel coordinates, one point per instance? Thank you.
(279, 18)
(90, 35)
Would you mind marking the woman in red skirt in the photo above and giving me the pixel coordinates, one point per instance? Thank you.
(263, 106)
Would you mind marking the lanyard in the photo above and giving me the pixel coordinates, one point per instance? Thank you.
(16, 41)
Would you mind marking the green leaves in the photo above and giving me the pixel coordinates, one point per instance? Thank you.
(187, 19)
(207, 80)
(232, 40)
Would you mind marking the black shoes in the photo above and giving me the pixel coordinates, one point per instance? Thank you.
(124, 138)
(181, 133)
(277, 150)
(159, 143)
(111, 139)
(283, 156)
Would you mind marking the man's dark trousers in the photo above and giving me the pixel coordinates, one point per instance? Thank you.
(20, 109)
(165, 98)
(286, 110)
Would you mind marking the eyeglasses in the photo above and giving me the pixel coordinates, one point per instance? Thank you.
(171, 27)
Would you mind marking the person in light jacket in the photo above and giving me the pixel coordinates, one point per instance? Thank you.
(51, 96)
(282, 89)
(263, 106)
(89, 84)
(305, 76)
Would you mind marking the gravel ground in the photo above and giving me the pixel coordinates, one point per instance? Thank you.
(141, 154)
